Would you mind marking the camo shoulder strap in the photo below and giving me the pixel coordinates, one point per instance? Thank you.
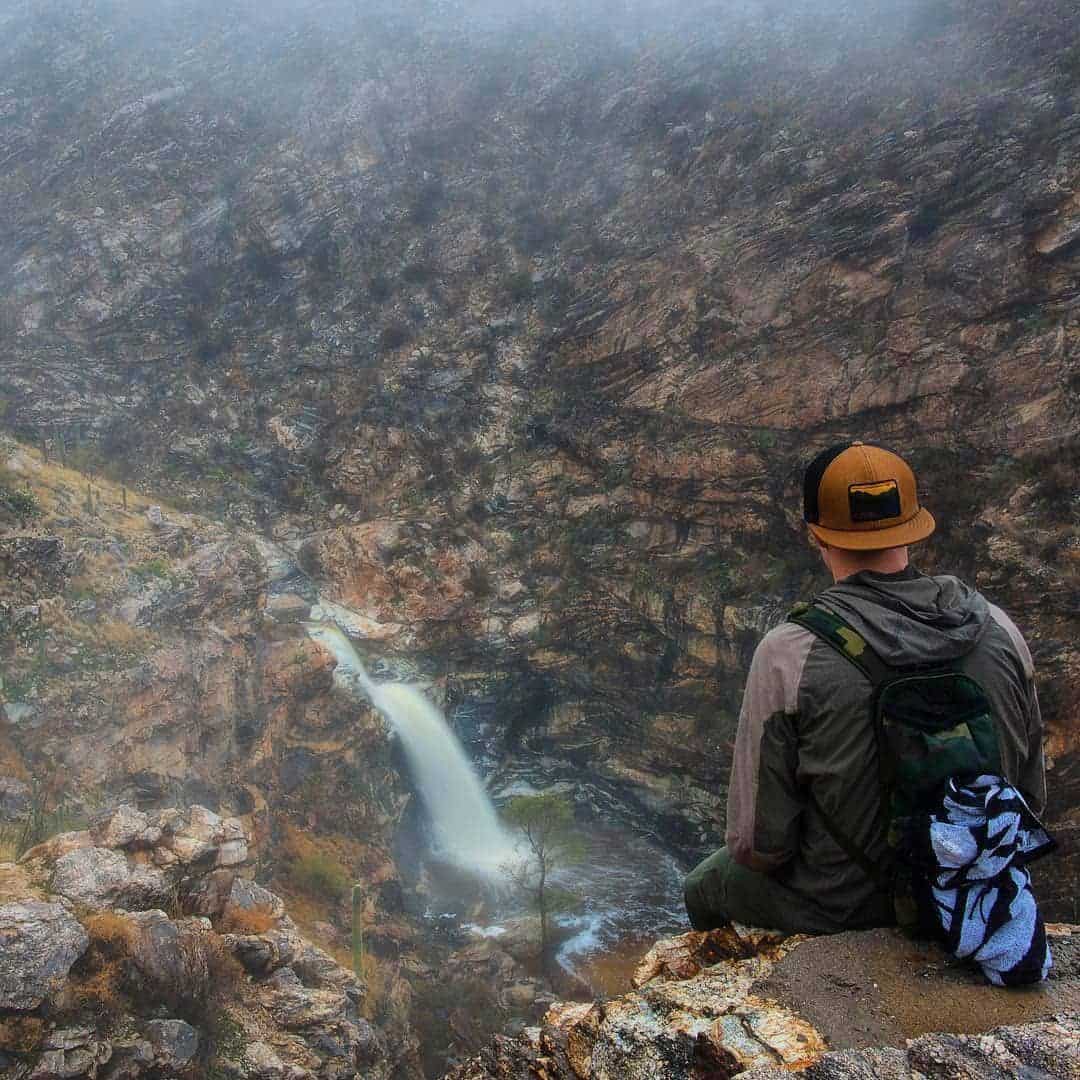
(836, 633)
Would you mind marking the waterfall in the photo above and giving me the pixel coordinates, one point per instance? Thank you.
(466, 829)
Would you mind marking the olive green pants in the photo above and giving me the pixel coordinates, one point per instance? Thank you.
(720, 890)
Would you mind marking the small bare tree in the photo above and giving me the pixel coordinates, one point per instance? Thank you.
(552, 840)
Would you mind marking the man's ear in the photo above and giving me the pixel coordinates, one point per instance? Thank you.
(822, 549)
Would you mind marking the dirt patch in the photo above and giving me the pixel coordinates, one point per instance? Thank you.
(16, 885)
(879, 988)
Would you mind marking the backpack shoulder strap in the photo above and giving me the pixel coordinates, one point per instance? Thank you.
(849, 643)
(836, 633)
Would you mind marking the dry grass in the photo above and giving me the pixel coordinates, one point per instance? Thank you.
(238, 920)
(105, 636)
(21, 1034)
(378, 978)
(101, 990)
(62, 492)
(110, 931)
(225, 972)
(97, 982)
(119, 636)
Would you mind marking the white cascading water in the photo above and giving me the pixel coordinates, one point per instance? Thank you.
(466, 829)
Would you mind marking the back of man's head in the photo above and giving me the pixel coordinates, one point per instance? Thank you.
(860, 497)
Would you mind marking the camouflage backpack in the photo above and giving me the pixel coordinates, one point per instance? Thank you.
(931, 724)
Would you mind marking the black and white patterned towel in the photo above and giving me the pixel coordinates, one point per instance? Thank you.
(981, 838)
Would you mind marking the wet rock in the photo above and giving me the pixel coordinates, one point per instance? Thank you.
(101, 878)
(39, 942)
(288, 608)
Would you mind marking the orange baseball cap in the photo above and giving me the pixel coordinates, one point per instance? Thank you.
(860, 497)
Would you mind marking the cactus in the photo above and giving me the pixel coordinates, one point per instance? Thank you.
(357, 931)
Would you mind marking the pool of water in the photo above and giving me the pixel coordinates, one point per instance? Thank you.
(627, 892)
(630, 893)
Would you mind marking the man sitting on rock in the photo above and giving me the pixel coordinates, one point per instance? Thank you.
(805, 821)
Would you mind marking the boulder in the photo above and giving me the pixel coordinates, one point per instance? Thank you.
(261, 954)
(39, 942)
(14, 797)
(688, 955)
(288, 608)
(174, 1043)
(1040, 1051)
(124, 827)
(263, 1062)
(207, 894)
(201, 836)
(248, 896)
(102, 878)
(170, 958)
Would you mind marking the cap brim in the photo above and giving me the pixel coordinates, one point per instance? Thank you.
(910, 532)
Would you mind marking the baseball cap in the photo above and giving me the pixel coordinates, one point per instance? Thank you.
(860, 497)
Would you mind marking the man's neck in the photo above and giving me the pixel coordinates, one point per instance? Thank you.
(845, 563)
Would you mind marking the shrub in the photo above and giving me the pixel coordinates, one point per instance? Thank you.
(426, 203)
(394, 336)
(518, 286)
(48, 815)
(97, 982)
(319, 874)
(313, 866)
(418, 273)
(22, 1034)
(19, 503)
(379, 288)
(152, 568)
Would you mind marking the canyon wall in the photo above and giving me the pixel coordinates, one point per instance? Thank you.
(516, 333)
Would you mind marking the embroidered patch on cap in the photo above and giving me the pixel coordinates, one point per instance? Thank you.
(874, 502)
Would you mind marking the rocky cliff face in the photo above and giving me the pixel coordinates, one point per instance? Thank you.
(152, 655)
(510, 333)
(525, 335)
(136, 949)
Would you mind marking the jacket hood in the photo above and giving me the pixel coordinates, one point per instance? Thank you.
(910, 618)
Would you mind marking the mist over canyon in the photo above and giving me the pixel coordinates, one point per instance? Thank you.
(496, 336)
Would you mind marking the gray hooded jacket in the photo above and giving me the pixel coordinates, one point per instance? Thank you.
(806, 726)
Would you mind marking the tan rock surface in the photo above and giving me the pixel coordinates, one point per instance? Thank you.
(743, 1002)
